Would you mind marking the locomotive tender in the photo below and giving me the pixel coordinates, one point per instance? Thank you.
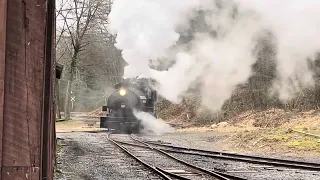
(129, 96)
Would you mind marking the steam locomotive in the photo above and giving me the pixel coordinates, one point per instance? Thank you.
(129, 96)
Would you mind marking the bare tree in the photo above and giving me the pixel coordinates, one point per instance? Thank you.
(92, 64)
(59, 34)
(106, 63)
(79, 18)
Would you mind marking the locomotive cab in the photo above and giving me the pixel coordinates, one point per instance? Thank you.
(121, 104)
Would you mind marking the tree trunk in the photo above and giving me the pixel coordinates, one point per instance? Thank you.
(57, 99)
(68, 93)
(67, 102)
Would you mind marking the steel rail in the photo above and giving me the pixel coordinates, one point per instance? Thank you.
(241, 157)
(295, 165)
(254, 161)
(219, 175)
(172, 174)
(160, 169)
(154, 169)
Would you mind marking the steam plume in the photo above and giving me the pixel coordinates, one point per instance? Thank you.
(152, 124)
(221, 55)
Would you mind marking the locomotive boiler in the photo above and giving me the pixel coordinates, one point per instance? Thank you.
(129, 96)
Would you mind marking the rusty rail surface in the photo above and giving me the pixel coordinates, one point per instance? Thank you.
(214, 173)
(27, 128)
(156, 170)
(239, 157)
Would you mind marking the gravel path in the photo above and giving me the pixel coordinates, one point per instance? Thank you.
(90, 156)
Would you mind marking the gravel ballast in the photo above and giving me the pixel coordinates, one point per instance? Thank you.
(90, 156)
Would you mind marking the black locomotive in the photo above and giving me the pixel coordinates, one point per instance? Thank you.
(129, 96)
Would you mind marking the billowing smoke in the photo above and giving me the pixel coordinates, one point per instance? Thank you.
(151, 124)
(219, 58)
(295, 25)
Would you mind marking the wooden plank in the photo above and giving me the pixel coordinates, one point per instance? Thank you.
(24, 72)
(3, 23)
(15, 131)
(35, 39)
(48, 104)
(20, 173)
(23, 83)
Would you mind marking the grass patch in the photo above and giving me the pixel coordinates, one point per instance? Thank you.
(279, 137)
(305, 143)
(58, 147)
(58, 150)
(249, 135)
(57, 170)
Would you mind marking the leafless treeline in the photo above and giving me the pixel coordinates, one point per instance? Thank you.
(255, 94)
(92, 65)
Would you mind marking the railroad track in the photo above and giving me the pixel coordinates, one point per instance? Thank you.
(164, 164)
(236, 157)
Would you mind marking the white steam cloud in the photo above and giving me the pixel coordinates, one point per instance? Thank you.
(295, 25)
(150, 29)
(152, 124)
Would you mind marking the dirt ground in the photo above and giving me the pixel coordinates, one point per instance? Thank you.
(277, 132)
(80, 122)
(84, 155)
(90, 156)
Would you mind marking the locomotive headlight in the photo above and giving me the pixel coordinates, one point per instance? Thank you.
(122, 92)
